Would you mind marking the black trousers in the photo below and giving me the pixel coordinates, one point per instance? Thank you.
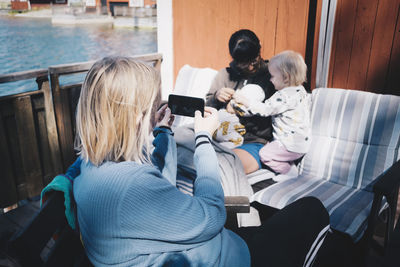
(290, 237)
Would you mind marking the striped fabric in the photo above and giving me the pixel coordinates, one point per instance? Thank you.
(355, 138)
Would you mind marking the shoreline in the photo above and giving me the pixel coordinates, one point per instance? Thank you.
(82, 19)
(40, 13)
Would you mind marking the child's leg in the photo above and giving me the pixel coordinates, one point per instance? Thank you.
(275, 156)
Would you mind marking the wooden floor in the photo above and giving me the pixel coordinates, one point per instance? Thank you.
(13, 221)
(16, 219)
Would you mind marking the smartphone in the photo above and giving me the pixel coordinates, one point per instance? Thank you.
(185, 105)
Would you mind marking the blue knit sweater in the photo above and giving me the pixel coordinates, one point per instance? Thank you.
(129, 214)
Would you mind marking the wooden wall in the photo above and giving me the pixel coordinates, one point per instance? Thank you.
(365, 49)
(366, 46)
(201, 29)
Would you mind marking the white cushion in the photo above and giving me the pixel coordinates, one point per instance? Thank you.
(194, 82)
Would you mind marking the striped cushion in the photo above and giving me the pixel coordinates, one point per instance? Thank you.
(355, 138)
(348, 207)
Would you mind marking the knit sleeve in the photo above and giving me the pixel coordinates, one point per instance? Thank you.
(276, 104)
(206, 163)
(75, 169)
(153, 209)
(217, 84)
(164, 156)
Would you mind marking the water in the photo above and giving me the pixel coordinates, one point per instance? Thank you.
(27, 44)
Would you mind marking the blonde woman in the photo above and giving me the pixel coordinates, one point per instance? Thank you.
(289, 109)
(130, 214)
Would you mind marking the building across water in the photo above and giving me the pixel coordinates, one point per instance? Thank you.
(138, 8)
(118, 13)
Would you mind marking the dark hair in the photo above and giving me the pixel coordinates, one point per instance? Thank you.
(244, 46)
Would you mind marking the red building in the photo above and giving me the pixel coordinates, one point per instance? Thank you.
(28, 4)
(20, 5)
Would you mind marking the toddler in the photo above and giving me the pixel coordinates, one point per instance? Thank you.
(289, 108)
(230, 132)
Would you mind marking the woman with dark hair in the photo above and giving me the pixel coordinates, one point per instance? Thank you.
(247, 67)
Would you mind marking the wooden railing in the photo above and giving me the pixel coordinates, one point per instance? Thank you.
(37, 129)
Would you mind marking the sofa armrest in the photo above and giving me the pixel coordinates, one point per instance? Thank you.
(237, 204)
(386, 185)
(233, 206)
(389, 181)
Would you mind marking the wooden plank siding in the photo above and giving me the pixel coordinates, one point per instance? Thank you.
(392, 84)
(365, 50)
(25, 143)
(385, 26)
(29, 150)
(201, 29)
(291, 28)
(51, 129)
(14, 153)
(63, 119)
(8, 188)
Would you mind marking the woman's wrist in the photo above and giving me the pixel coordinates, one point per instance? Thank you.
(162, 129)
(205, 159)
(202, 137)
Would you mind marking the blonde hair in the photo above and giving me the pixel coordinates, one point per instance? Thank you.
(292, 67)
(115, 109)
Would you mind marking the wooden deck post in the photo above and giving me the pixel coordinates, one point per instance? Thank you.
(51, 126)
(63, 119)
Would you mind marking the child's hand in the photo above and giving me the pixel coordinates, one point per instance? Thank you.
(164, 117)
(241, 99)
(229, 108)
(239, 109)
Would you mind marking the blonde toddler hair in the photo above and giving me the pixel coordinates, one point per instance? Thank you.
(292, 67)
(115, 109)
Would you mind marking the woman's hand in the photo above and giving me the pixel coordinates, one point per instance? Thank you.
(164, 117)
(209, 123)
(224, 94)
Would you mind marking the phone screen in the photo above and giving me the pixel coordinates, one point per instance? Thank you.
(185, 105)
